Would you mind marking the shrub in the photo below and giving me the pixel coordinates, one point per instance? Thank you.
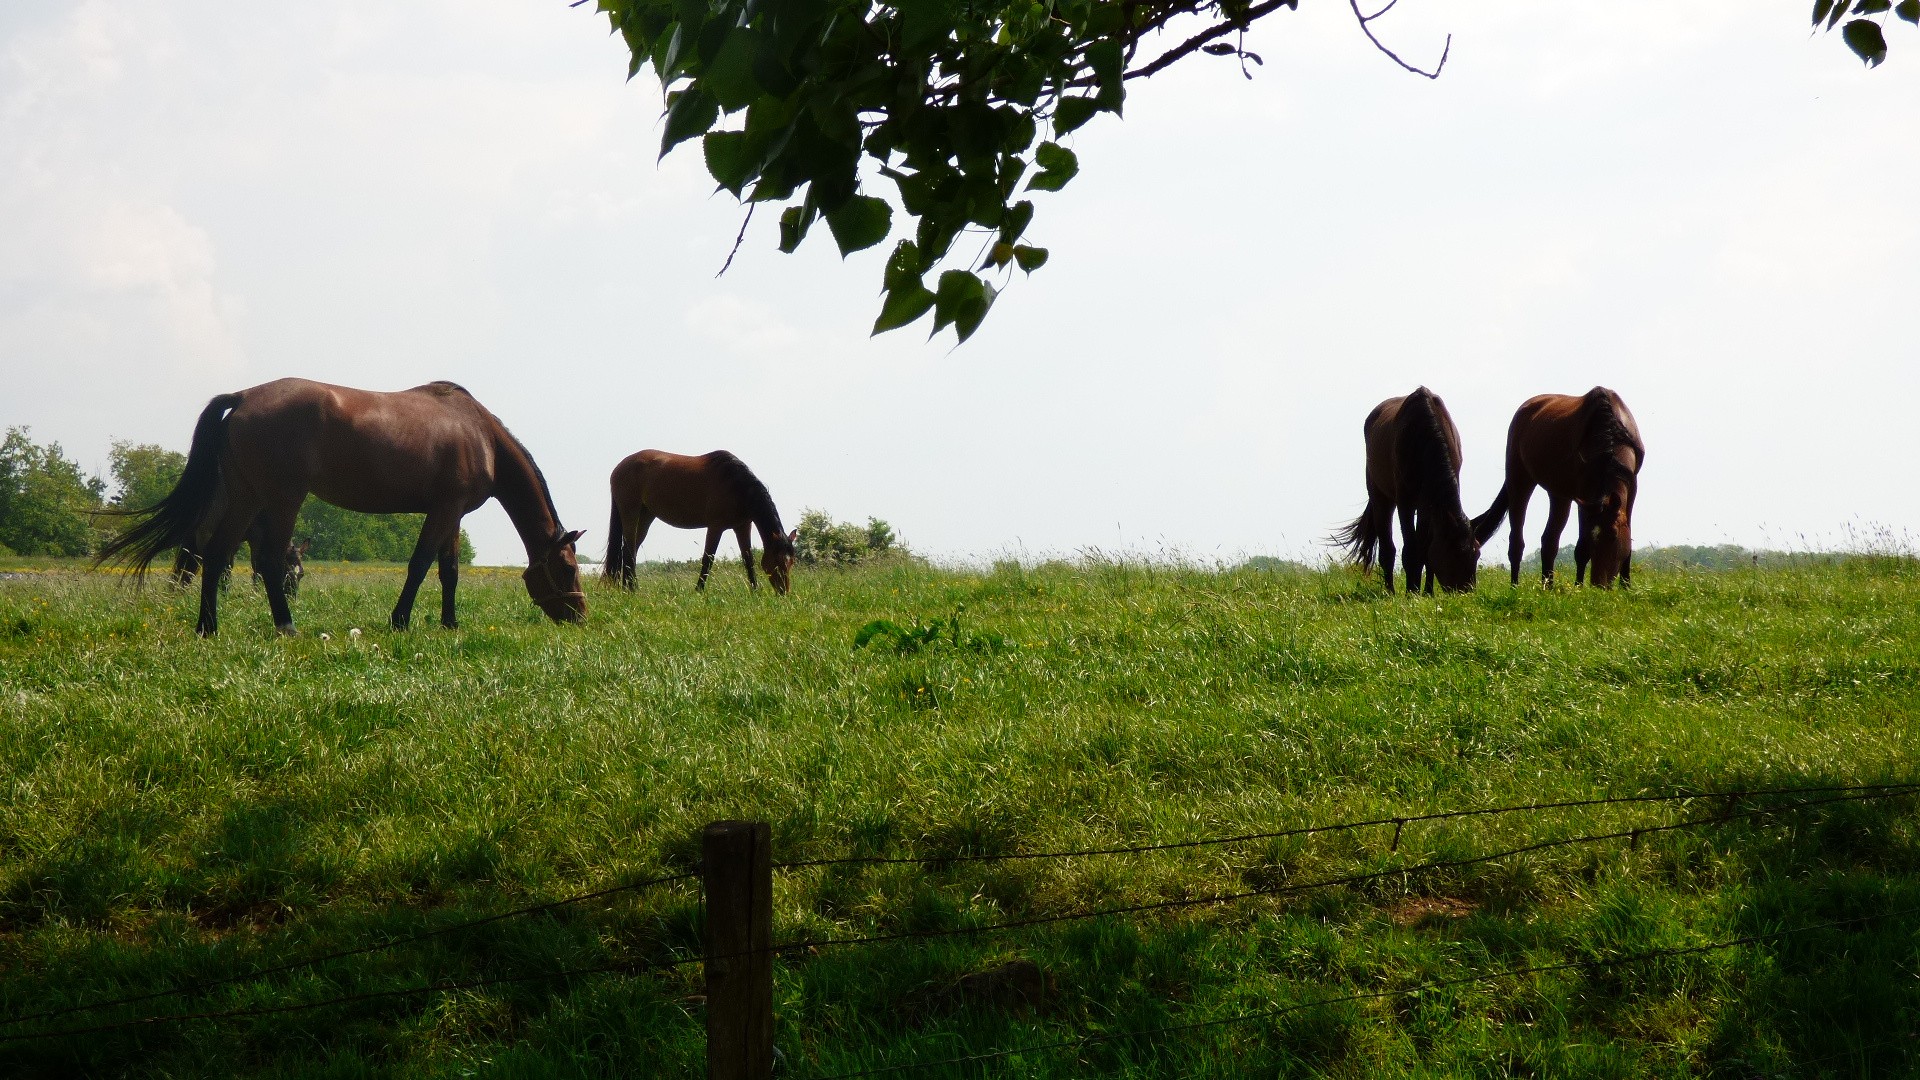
(823, 541)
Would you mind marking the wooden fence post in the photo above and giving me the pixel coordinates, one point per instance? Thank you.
(737, 869)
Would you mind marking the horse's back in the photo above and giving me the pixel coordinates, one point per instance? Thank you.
(366, 450)
(684, 490)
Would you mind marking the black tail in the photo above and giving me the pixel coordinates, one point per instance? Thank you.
(172, 522)
(1488, 523)
(1359, 539)
(614, 565)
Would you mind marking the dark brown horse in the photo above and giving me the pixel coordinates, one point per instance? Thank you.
(431, 450)
(1413, 467)
(715, 492)
(1584, 450)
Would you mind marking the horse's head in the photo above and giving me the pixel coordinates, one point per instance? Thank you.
(553, 580)
(1454, 555)
(777, 560)
(1613, 538)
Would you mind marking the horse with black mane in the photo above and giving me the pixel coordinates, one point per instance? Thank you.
(715, 492)
(432, 450)
(1585, 449)
(1413, 468)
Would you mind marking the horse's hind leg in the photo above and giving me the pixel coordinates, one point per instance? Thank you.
(269, 538)
(630, 548)
(706, 559)
(745, 534)
(217, 548)
(1557, 509)
(433, 534)
(1411, 550)
(1382, 512)
(1518, 495)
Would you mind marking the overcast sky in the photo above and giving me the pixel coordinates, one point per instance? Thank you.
(1695, 204)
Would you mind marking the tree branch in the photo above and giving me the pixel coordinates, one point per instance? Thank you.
(1368, 30)
(738, 238)
(1192, 44)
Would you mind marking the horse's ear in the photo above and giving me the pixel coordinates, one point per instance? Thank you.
(569, 538)
(793, 537)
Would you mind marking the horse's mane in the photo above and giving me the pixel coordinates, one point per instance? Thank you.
(539, 478)
(766, 517)
(1605, 433)
(1425, 447)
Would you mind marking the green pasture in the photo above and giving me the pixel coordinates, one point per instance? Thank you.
(175, 810)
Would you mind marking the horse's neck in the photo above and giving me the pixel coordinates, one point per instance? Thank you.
(521, 494)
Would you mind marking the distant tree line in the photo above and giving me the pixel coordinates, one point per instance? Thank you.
(50, 506)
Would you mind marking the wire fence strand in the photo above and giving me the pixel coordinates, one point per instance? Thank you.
(1325, 883)
(324, 958)
(1344, 826)
(1369, 995)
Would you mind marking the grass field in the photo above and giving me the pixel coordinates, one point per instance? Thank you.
(176, 810)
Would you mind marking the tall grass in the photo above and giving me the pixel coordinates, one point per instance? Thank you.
(177, 810)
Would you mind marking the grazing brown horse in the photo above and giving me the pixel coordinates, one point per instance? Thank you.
(431, 450)
(1413, 466)
(714, 491)
(1584, 450)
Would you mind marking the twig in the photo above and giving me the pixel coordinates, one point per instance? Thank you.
(1391, 55)
(738, 239)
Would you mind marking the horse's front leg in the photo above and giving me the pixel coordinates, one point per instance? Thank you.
(706, 559)
(1557, 508)
(1383, 527)
(426, 550)
(1583, 542)
(449, 580)
(745, 533)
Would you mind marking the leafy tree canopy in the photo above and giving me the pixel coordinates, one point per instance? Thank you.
(959, 104)
(47, 501)
(143, 473)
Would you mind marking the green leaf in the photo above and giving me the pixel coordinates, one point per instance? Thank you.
(1030, 258)
(874, 629)
(1871, 7)
(1863, 36)
(730, 159)
(1000, 255)
(1109, 64)
(1058, 165)
(794, 223)
(860, 223)
(1020, 214)
(962, 302)
(689, 113)
(1072, 112)
(903, 266)
(903, 305)
(730, 78)
(1908, 10)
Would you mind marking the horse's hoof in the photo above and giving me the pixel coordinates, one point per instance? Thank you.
(287, 630)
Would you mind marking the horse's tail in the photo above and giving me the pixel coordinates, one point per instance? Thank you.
(1488, 523)
(172, 522)
(1360, 539)
(614, 565)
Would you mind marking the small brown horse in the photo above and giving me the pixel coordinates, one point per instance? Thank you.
(1584, 450)
(431, 450)
(714, 491)
(1413, 466)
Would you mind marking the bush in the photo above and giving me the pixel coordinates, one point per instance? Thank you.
(823, 541)
(46, 502)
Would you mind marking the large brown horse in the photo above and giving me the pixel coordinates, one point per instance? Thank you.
(715, 492)
(1413, 466)
(1584, 450)
(431, 450)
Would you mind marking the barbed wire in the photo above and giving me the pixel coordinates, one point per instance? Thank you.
(1369, 995)
(314, 961)
(1398, 821)
(1631, 835)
